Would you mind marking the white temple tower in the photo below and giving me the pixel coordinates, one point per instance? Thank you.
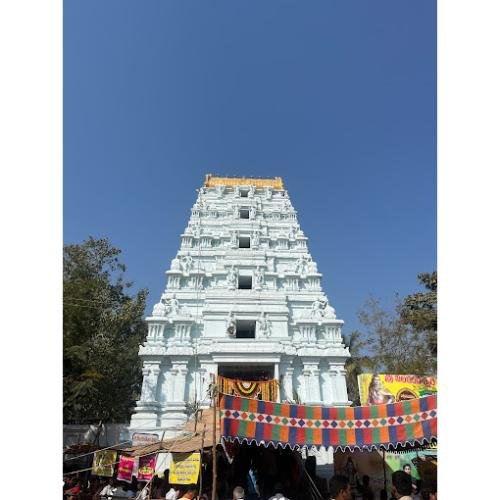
(243, 300)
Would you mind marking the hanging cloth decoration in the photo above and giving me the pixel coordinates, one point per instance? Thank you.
(126, 468)
(266, 390)
(146, 468)
(104, 463)
(382, 426)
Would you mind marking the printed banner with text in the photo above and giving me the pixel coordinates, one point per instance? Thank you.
(184, 468)
(384, 388)
(104, 463)
(125, 468)
(146, 468)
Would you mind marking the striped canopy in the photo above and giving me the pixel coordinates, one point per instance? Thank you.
(297, 426)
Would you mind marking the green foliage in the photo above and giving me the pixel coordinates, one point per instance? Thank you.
(357, 364)
(402, 341)
(420, 310)
(102, 330)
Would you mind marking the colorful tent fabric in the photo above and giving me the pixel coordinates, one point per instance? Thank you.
(266, 390)
(296, 426)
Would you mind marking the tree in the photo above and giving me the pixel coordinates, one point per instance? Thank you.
(102, 330)
(357, 364)
(393, 344)
(420, 310)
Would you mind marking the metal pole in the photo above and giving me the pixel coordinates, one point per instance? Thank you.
(385, 474)
(201, 457)
(214, 437)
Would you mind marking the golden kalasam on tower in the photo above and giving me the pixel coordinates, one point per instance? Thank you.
(211, 181)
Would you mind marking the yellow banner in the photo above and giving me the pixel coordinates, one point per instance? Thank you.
(184, 468)
(389, 388)
(104, 463)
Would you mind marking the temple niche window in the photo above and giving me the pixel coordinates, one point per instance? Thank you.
(244, 213)
(245, 329)
(244, 193)
(244, 282)
(244, 242)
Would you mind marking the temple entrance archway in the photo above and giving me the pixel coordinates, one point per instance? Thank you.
(246, 371)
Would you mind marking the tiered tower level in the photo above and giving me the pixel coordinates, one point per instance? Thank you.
(243, 299)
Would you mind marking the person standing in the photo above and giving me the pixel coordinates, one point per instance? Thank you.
(238, 493)
(172, 493)
(340, 488)
(401, 485)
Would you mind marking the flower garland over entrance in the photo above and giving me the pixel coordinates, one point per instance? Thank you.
(266, 390)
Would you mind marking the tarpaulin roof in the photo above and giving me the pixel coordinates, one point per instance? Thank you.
(385, 426)
(196, 434)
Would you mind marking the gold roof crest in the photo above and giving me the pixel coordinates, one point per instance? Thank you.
(211, 181)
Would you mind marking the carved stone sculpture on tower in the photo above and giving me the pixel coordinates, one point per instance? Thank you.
(258, 278)
(264, 325)
(187, 263)
(160, 309)
(197, 230)
(301, 265)
(251, 192)
(234, 239)
(255, 239)
(230, 325)
(319, 309)
(253, 212)
(175, 265)
(149, 385)
(312, 267)
(173, 306)
(232, 278)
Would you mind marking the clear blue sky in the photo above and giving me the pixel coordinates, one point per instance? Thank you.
(336, 97)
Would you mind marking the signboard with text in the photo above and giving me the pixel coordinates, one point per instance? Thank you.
(184, 468)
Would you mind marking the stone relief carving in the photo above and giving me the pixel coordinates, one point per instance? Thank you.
(319, 309)
(160, 309)
(258, 278)
(271, 261)
(232, 278)
(268, 193)
(253, 212)
(170, 307)
(219, 190)
(149, 382)
(234, 239)
(152, 350)
(312, 267)
(175, 265)
(251, 192)
(264, 325)
(231, 325)
(173, 306)
(255, 239)
(302, 264)
(186, 263)
(197, 230)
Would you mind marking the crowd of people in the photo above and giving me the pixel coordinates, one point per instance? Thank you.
(403, 488)
(78, 487)
(274, 476)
